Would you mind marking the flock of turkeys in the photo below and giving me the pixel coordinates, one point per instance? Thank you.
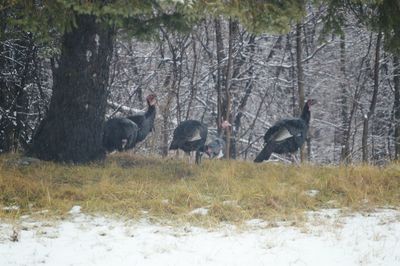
(123, 133)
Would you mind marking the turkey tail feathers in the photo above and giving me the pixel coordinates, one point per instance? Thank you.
(264, 154)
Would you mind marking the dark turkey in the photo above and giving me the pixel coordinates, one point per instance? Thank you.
(145, 121)
(287, 135)
(119, 134)
(189, 136)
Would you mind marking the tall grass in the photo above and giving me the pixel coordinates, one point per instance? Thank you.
(167, 189)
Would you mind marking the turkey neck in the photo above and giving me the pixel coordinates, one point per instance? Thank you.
(151, 111)
(306, 114)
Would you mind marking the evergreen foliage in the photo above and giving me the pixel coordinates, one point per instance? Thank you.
(378, 15)
(274, 16)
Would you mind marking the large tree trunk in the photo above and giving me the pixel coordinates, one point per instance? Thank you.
(371, 110)
(396, 80)
(73, 128)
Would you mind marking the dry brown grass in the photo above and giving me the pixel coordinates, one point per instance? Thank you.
(167, 189)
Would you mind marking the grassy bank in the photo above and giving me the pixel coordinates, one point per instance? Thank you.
(168, 189)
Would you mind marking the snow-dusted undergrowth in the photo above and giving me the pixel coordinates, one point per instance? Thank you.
(328, 238)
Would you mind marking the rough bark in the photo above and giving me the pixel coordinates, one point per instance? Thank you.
(72, 130)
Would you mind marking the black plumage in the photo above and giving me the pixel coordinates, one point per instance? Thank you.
(145, 121)
(287, 135)
(119, 134)
(189, 136)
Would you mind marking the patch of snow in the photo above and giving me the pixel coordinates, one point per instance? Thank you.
(256, 223)
(328, 238)
(312, 192)
(199, 211)
(232, 203)
(75, 210)
(11, 208)
(165, 201)
(42, 211)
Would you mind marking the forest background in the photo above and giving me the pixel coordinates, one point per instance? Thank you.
(66, 66)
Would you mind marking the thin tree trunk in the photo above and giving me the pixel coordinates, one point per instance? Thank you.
(228, 101)
(300, 79)
(372, 106)
(165, 112)
(73, 128)
(220, 56)
(193, 87)
(248, 88)
(345, 141)
(355, 101)
(396, 81)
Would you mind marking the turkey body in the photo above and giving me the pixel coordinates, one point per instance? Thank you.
(189, 136)
(145, 121)
(287, 135)
(119, 134)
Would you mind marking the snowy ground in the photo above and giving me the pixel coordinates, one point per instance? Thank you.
(327, 239)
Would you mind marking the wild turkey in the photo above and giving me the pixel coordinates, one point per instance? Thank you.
(216, 147)
(287, 135)
(189, 136)
(119, 134)
(145, 121)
